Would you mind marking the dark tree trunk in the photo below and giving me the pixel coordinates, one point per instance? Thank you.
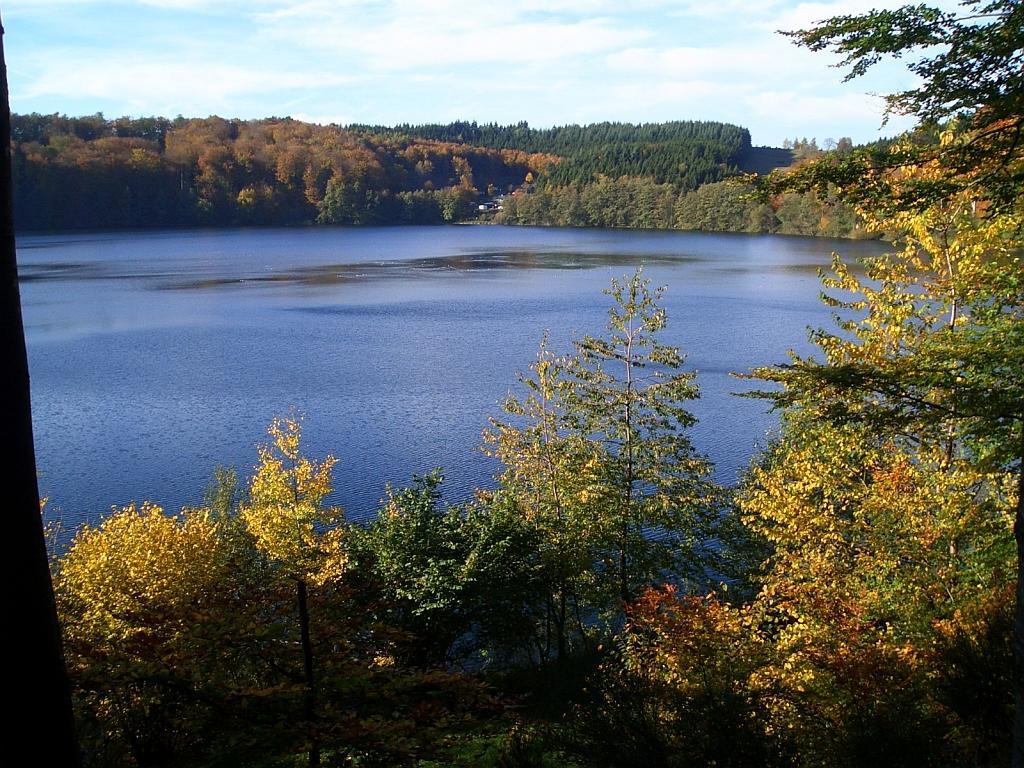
(1018, 624)
(307, 669)
(562, 650)
(40, 700)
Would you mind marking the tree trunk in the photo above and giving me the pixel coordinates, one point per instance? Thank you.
(1018, 623)
(309, 705)
(626, 518)
(41, 699)
(562, 650)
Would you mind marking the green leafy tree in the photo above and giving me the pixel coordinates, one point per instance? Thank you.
(629, 398)
(596, 458)
(450, 576)
(969, 67)
(551, 480)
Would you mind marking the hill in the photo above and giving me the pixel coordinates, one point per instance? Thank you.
(685, 154)
(90, 172)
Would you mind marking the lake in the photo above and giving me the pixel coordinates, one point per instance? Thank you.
(156, 356)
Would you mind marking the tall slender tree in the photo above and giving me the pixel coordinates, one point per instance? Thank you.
(629, 397)
(303, 538)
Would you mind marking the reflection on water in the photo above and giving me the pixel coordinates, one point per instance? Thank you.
(156, 356)
(437, 266)
(57, 270)
(332, 274)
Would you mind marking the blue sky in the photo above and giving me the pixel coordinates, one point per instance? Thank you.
(549, 62)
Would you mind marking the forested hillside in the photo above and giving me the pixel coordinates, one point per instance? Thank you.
(93, 173)
(684, 154)
(89, 172)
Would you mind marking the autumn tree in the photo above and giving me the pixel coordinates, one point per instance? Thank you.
(184, 647)
(883, 555)
(680, 689)
(928, 358)
(286, 515)
(943, 362)
(141, 597)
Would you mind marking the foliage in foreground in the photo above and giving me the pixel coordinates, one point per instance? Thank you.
(263, 627)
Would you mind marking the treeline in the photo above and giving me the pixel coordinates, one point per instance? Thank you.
(89, 172)
(642, 203)
(151, 172)
(685, 154)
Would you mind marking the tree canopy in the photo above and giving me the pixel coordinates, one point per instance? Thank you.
(971, 68)
(929, 347)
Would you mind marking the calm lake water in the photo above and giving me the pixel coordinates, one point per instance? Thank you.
(156, 356)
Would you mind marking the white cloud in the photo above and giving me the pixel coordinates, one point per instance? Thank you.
(683, 93)
(310, 10)
(772, 58)
(847, 114)
(182, 5)
(429, 42)
(138, 82)
(842, 108)
(725, 9)
(807, 14)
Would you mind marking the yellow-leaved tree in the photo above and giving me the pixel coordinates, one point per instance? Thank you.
(302, 537)
(891, 499)
(138, 564)
(139, 598)
(886, 562)
(967, 378)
